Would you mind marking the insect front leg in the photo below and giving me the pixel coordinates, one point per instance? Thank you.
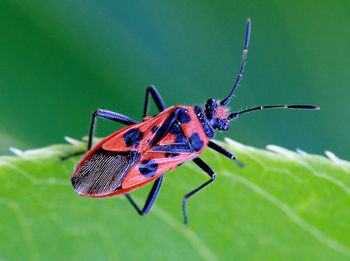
(156, 97)
(109, 115)
(204, 166)
(150, 199)
(224, 152)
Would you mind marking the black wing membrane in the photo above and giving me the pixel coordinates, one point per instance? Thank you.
(103, 172)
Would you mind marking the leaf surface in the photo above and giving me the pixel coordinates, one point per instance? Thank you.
(281, 205)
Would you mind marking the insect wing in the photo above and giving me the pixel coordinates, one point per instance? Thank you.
(137, 136)
(102, 172)
(151, 166)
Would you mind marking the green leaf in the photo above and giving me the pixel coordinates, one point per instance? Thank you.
(281, 205)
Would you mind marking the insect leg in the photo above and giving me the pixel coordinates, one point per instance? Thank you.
(150, 199)
(204, 166)
(109, 115)
(221, 150)
(224, 152)
(156, 97)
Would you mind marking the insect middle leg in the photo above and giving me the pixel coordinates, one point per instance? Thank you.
(156, 97)
(204, 166)
(158, 182)
(150, 199)
(109, 115)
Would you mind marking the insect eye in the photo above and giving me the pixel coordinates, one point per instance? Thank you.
(211, 102)
(211, 105)
(226, 125)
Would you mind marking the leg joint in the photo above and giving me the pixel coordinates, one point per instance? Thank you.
(151, 88)
(95, 113)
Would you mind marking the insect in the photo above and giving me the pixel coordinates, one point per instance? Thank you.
(141, 152)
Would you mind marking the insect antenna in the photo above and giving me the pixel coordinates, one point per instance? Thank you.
(300, 107)
(244, 56)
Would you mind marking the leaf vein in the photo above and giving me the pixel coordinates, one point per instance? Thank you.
(316, 233)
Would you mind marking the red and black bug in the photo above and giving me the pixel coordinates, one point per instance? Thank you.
(141, 152)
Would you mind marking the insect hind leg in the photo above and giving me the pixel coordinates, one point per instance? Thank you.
(156, 97)
(150, 198)
(109, 115)
(204, 166)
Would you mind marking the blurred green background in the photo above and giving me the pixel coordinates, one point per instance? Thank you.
(60, 60)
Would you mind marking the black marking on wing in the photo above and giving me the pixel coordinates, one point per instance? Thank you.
(103, 172)
(183, 116)
(181, 144)
(148, 168)
(175, 117)
(175, 129)
(181, 139)
(174, 148)
(163, 130)
(132, 137)
(196, 142)
(180, 136)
